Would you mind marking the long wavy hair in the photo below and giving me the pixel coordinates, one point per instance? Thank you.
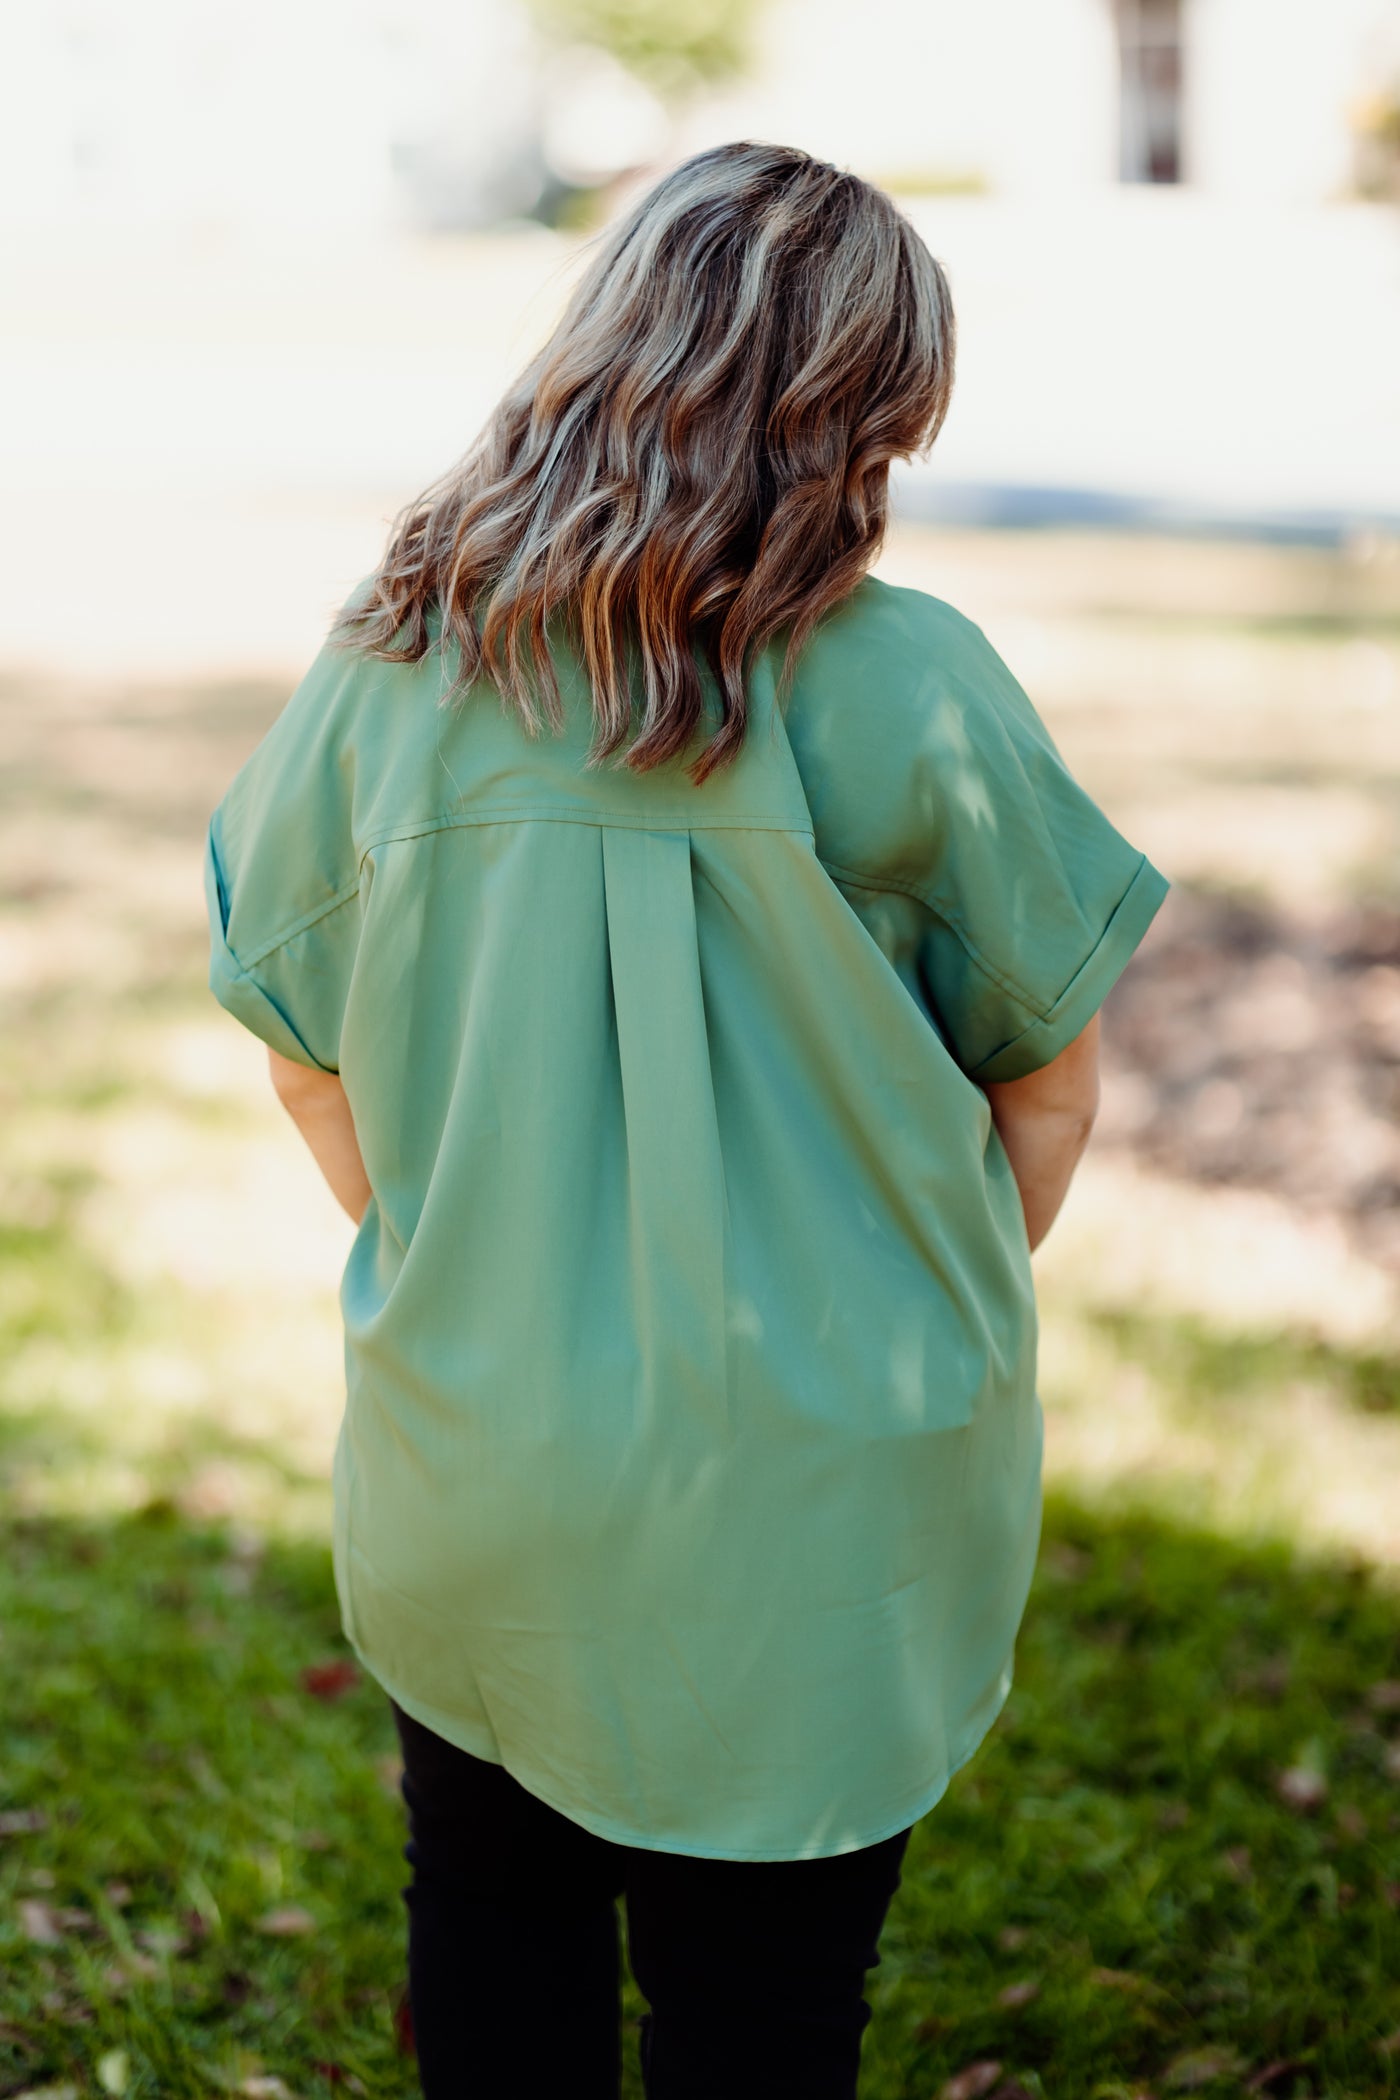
(698, 458)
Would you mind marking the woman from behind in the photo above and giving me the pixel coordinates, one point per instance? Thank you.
(682, 954)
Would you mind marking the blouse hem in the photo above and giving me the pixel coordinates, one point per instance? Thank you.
(452, 1731)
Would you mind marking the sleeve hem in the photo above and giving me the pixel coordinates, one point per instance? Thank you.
(1088, 988)
(243, 997)
(238, 992)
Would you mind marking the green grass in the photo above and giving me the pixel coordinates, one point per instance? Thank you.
(1120, 1845)
(1238, 1370)
(1119, 1857)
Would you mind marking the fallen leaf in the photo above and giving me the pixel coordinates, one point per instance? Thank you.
(72, 1919)
(1117, 1979)
(1016, 1994)
(38, 1923)
(20, 1822)
(1237, 1862)
(118, 1894)
(161, 1940)
(287, 1922)
(1011, 1937)
(1384, 1698)
(114, 2071)
(1301, 1789)
(1271, 2073)
(1199, 2066)
(266, 2087)
(973, 2081)
(1268, 1680)
(330, 1680)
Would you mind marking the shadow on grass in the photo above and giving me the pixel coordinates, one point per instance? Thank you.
(1173, 1867)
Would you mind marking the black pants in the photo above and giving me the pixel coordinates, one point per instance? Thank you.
(754, 1971)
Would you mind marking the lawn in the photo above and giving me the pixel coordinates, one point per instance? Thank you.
(1175, 1867)
(1169, 1868)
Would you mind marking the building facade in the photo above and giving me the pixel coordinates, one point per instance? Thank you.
(363, 113)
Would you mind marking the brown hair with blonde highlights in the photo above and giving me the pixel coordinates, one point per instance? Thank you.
(699, 455)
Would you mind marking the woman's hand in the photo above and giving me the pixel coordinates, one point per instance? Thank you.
(316, 1103)
(1044, 1121)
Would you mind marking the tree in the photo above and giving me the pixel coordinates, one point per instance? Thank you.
(672, 45)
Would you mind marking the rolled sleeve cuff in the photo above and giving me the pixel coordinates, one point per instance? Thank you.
(1086, 991)
(236, 991)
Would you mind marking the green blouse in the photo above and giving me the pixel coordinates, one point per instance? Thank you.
(690, 1463)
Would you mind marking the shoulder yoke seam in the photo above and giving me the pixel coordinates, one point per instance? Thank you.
(344, 895)
(856, 880)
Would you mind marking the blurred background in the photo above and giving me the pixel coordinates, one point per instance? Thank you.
(263, 271)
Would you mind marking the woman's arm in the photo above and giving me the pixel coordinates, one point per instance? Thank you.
(1044, 1122)
(316, 1103)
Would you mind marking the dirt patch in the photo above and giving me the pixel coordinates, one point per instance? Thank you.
(1244, 1048)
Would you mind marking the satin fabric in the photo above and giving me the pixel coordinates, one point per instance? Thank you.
(690, 1464)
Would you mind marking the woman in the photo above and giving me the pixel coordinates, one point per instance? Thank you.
(682, 954)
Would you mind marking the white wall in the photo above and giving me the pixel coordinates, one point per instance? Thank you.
(1018, 92)
(1025, 92)
(164, 111)
(356, 114)
(1270, 85)
(262, 113)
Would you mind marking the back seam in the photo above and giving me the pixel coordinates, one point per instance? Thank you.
(599, 820)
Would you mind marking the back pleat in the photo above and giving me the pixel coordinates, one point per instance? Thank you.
(676, 1199)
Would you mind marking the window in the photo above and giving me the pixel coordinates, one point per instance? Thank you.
(1149, 108)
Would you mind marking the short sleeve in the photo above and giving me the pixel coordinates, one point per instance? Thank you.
(1035, 901)
(281, 876)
